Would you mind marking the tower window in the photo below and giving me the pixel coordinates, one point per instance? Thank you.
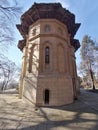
(30, 60)
(47, 28)
(34, 32)
(60, 31)
(46, 96)
(47, 55)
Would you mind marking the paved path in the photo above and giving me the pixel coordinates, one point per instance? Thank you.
(15, 114)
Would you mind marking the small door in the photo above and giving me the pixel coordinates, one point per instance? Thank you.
(46, 95)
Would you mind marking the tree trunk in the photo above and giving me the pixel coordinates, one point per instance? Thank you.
(92, 77)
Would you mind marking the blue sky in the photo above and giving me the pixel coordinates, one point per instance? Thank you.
(86, 12)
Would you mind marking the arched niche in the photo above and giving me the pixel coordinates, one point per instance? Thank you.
(61, 58)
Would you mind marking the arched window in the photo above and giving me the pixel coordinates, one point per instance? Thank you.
(47, 55)
(46, 96)
(47, 28)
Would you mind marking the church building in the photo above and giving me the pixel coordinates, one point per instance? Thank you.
(48, 74)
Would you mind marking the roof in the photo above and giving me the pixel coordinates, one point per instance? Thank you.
(48, 11)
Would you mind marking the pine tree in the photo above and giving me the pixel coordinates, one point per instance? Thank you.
(88, 58)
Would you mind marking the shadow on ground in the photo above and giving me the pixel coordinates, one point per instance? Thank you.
(16, 114)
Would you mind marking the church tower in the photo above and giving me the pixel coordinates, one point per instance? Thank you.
(48, 76)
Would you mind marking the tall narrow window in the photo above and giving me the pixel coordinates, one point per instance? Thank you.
(30, 60)
(46, 96)
(34, 32)
(47, 55)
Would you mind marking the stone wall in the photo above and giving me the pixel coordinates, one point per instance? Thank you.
(58, 77)
(60, 90)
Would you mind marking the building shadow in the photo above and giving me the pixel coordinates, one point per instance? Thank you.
(75, 116)
(75, 122)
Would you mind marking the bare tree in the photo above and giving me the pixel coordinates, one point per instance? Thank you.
(8, 14)
(8, 71)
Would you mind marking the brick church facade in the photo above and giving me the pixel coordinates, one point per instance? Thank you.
(48, 75)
